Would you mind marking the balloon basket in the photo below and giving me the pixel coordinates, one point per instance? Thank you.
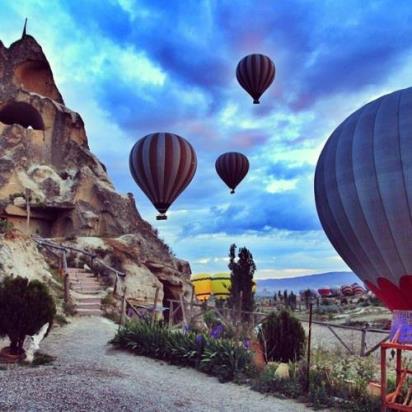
(161, 217)
(400, 341)
(256, 102)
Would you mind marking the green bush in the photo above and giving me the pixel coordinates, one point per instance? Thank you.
(24, 308)
(283, 337)
(5, 226)
(223, 358)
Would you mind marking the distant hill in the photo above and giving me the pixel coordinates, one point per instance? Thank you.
(316, 281)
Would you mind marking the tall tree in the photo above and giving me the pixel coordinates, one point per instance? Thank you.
(242, 271)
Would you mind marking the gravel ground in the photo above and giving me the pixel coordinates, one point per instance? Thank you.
(90, 376)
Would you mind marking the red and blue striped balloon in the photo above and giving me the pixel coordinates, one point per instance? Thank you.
(255, 73)
(232, 167)
(162, 164)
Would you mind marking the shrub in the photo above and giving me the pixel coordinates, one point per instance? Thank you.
(24, 308)
(5, 226)
(283, 337)
(223, 358)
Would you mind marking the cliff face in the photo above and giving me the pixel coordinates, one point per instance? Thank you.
(52, 185)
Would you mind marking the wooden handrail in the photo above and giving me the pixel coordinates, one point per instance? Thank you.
(51, 244)
(334, 325)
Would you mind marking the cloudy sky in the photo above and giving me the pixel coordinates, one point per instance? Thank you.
(132, 67)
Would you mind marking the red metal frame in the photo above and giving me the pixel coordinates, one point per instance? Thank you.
(385, 405)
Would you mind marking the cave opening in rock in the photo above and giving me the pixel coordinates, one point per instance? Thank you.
(171, 292)
(23, 114)
(36, 76)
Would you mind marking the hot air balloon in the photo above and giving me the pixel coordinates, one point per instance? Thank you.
(162, 164)
(363, 195)
(358, 289)
(347, 290)
(221, 283)
(232, 167)
(202, 284)
(255, 73)
(325, 292)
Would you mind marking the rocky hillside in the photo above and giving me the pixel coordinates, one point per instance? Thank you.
(53, 186)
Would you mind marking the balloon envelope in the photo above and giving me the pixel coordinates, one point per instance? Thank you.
(162, 164)
(363, 192)
(202, 284)
(232, 167)
(347, 290)
(255, 73)
(324, 292)
(221, 283)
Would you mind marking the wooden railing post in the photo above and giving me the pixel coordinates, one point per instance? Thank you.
(66, 279)
(309, 348)
(123, 309)
(155, 304)
(170, 314)
(363, 342)
(27, 197)
(182, 305)
(191, 303)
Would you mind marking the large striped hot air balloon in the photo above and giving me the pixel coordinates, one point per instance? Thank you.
(162, 164)
(232, 167)
(255, 73)
(363, 191)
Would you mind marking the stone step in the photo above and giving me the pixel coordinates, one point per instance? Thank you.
(77, 270)
(87, 291)
(88, 299)
(89, 312)
(92, 283)
(91, 306)
(82, 275)
(84, 282)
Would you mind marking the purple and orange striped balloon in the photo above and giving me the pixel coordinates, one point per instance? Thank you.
(232, 167)
(255, 73)
(162, 164)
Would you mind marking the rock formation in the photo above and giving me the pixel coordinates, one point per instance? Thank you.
(51, 185)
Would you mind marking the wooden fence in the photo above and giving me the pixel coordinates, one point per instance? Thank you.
(364, 350)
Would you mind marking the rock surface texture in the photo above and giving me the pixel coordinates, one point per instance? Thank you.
(51, 185)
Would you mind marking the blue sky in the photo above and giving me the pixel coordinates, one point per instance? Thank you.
(134, 67)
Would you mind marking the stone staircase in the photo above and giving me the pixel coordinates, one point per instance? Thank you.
(86, 292)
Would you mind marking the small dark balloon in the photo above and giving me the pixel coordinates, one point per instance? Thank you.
(232, 167)
(162, 165)
(255, 73)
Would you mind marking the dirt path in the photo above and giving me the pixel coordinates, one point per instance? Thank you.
(90, 376)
